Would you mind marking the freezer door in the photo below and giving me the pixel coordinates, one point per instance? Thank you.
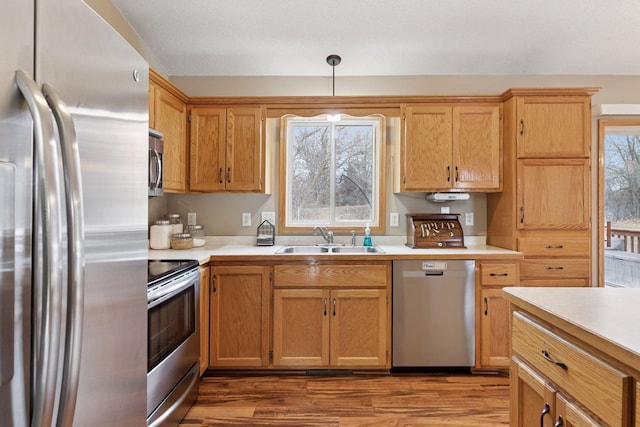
(104, 84)
(16, 45)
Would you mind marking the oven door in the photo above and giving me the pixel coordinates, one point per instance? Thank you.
(173, 336)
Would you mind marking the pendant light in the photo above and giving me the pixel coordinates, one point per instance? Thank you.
(333, 60)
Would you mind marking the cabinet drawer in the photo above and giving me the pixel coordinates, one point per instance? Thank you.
(550, 247)
(498, 274)
(555, 268)
(329, 275)
(588, 380)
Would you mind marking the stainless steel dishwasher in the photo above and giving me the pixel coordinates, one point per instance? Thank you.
(433, 314)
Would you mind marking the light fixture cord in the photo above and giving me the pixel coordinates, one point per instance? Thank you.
(333, 68)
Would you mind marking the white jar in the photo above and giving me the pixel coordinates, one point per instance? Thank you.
(160, 234)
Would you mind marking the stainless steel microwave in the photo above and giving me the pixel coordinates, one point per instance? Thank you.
(156, 185)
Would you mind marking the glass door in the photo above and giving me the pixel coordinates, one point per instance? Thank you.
(619, 203)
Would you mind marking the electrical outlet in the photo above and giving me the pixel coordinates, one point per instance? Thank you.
(271, 216)
(393, 219)
(444, 209)
(191, 218)
(468, 218)
(246, 219)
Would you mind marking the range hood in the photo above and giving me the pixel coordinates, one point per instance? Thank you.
(446, 197)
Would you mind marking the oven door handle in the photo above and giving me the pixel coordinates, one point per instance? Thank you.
(157, 295)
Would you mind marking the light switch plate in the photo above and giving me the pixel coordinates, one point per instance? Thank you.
(246, 219)
(444, 209)
(191, 218)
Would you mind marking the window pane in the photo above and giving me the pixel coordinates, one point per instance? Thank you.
(310, 175)
(354, 172)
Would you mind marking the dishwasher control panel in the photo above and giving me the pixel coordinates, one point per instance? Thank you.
(434, 265)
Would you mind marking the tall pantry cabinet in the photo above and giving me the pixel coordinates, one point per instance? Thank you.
(545, 210)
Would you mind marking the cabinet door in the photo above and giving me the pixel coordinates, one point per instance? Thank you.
(244, 152)
(532, 399)
(553, 194)
(553, 127)
(171, 119)
(476, 147)
(358, 328)
(204, 319)
(207, 143)
(495, 345)
(239, 316)
(426, 149)
(570, 415)
(301, 327)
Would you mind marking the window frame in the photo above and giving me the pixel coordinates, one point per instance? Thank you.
(379, 169)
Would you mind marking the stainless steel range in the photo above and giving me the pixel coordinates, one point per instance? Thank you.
(173, 340)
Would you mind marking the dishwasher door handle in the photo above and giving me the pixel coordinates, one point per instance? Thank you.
(434, 273)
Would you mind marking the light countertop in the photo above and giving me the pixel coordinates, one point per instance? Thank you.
(244, 248)
(605, 318)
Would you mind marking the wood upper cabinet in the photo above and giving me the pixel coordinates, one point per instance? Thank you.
(204, 318)
(240, 311)
(450, 148)
(492, 313)
(168, 114)
(545, 207)
(227, 149)
(331, 315)
(554, 194)
(553, 126)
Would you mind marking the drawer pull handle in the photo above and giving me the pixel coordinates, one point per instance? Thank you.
(559, 423)
(545, 354)
(545, 411)
(498, 274)
(554, 268)
(554, 247)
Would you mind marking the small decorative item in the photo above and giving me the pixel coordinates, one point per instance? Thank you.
(426, 230)
(266, 234)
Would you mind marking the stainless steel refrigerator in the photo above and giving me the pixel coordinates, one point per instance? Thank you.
(73, 219)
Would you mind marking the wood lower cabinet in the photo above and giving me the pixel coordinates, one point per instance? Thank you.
(240, 312)
(557, 382)
(204, 318)
(492, 314)
(332, 315)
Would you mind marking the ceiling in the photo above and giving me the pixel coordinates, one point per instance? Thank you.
(389, 37)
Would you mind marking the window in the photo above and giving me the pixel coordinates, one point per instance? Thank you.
(332, 172)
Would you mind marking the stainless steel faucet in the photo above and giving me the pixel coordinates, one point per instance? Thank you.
(326, 234)
(353, 237)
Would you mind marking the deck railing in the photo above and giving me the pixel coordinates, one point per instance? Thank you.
(630, 237)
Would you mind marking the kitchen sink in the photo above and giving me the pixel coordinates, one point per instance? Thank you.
(303, 250)
(329, 250)
(357, 250)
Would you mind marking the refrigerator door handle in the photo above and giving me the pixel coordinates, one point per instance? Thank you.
(75, 250)
(49, 291)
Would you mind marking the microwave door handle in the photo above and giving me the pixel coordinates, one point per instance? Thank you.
(75, 254)
(158, 167)
(48, 290)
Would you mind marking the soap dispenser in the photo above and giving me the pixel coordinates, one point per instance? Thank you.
(367, 237)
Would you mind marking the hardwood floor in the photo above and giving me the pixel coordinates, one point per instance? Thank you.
(351, 400)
